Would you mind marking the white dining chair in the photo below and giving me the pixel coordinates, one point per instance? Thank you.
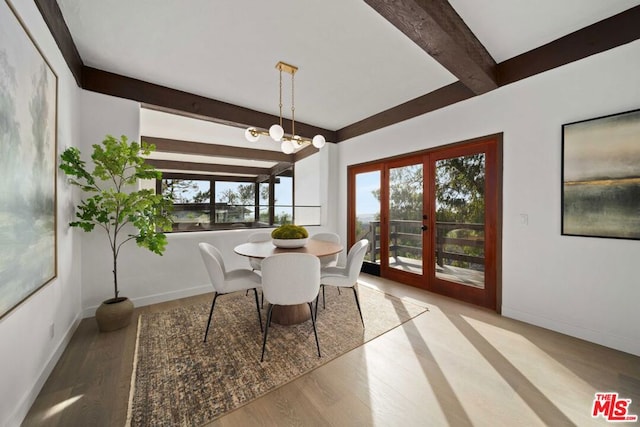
(328, 260)
(226, 282)
(290, 279)
(347, 276)
(260, 236)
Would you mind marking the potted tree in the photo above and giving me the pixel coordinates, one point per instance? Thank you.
(113, 204)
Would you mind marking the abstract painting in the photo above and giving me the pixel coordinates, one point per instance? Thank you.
(601, 177)
(28, 101)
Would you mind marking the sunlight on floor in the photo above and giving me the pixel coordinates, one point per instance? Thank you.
(569, 393)
(59, 407)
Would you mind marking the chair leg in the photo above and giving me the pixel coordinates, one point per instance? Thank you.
(255, 291)
(355, 294)
(213, 303)
(266, 331)
(324, 303)
(315, 315)
(315, 332)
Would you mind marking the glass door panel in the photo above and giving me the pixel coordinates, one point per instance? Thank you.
(405, 218)
(367, 212)
(436, 219)
(460, 220)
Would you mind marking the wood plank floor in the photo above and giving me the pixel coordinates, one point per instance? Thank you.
(456, 365)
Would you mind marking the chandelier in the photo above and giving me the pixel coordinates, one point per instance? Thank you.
(289, 142)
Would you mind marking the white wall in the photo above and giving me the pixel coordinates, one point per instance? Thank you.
(29, 353)
(585, 287)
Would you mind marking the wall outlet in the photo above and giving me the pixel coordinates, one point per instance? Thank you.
(52, 330)
(524, 219)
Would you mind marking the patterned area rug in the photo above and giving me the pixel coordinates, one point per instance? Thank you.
(179, 380)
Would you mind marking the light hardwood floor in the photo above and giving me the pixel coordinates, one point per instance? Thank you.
(456, 365)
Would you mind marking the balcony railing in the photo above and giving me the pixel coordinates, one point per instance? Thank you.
(455, 242)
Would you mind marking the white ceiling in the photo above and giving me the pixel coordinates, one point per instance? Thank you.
(353, 63)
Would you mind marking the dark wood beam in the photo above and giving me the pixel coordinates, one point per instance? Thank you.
(436, 27)
(58, 27)
(280, 168)
(434, 16)
(307, 151)
(197, 106)
(435, 100)
(604, 35)
(206, 167)
(201, 177)
(203, 149)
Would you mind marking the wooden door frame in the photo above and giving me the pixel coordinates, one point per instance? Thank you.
(389, 272)
(493, 192)
(487, 297)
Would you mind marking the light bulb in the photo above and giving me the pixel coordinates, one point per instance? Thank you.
(249, 136)
(287, 147)
(276, 132)
(318, 141)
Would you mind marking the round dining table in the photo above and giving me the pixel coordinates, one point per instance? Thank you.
(289, 314)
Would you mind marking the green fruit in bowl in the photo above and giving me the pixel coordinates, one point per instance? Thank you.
(290, 231)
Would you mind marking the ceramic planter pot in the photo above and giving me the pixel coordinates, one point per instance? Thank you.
(114, 314)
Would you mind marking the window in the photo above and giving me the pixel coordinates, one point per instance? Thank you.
(237, 202)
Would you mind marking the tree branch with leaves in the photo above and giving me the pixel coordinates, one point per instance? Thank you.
(112, 203)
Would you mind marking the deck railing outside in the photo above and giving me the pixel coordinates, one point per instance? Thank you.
(451, 246)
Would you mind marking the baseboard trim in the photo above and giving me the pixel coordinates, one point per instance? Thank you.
(27, 401)
(157, 298)
(625, 344)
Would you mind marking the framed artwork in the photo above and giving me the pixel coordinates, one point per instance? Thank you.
(28, 103)
(601, 177)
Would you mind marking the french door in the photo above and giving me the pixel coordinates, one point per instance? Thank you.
(432, 219)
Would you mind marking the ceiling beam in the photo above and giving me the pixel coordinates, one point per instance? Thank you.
(307, 151)
(197, 106)
(612, 32)
(201, 177)
(604, 35)
(435, 100)
(436, 27)
(52, 15)
(599, 37)
(215, 150)
(206, 167)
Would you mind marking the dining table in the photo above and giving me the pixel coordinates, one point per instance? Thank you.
(288, 314)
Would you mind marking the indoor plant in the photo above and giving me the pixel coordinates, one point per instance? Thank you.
(112, 203)
(290, 236)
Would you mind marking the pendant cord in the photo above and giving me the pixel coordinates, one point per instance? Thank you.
(293, 108)
(280, 97)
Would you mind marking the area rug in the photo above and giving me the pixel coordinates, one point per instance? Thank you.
(179, 380)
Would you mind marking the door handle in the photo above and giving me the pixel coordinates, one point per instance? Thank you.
(424, 228)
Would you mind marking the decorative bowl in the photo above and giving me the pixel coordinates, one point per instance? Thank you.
(290, 243)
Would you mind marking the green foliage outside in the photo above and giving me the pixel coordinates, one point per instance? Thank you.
(290, 231)
(239, 201)
(459, 199)
(110, 202)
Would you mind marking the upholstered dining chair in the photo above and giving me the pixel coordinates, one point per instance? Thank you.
(347, 276)
(260, 236)
(290, 279)
(225, 282)
(328, 260)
